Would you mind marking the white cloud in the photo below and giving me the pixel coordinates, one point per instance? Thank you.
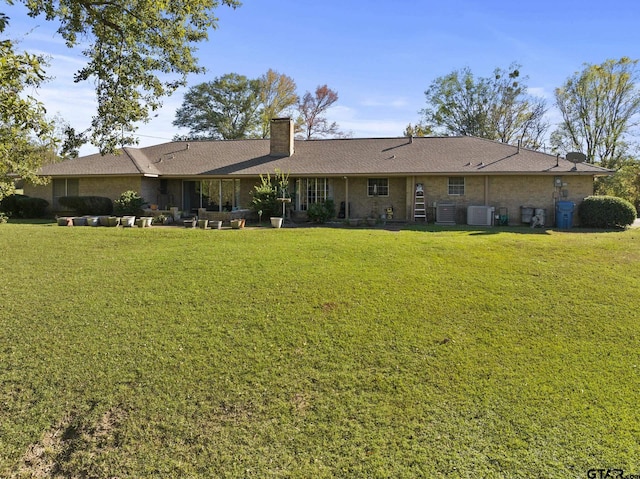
(399, 102)
(372, 124)
(540, 92)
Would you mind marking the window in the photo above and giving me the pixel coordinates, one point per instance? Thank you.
(64, 187)
(378, 187)
(312, 190)
(456, 185)
(214, 195)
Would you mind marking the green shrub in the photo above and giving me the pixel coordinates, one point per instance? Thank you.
(321, 212)
(9, 205)
(129, 203)
(264, 199)
(266, 194)
(88, 205)
(606, 212)
(32, 207)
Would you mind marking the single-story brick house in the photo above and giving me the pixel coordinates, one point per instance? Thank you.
(365, 177)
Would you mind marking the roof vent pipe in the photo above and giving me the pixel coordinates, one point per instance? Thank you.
(518, 146)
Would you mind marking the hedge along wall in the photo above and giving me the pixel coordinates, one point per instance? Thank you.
(103, 186)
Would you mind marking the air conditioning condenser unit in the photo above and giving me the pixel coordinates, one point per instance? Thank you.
(446, 214)
(480, 215)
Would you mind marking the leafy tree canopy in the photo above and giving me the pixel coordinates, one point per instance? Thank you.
(225, 108)
(599, 107)
(496, 107)
(233, 107)
(26, 136)
(138, 52)
(417, 130)
(277, 95)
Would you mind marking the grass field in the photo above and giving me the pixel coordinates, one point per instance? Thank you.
(318, 352)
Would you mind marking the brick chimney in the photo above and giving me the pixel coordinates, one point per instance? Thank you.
(281, 143)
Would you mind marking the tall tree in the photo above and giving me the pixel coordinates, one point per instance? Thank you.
(277, 94)
(599, 106)
(625, 183)
(138, 52)
(417, 130)
(225, 108)
(496, 107)
(312, 121)
(25, 133)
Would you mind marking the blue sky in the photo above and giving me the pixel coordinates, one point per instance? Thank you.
(380, 56)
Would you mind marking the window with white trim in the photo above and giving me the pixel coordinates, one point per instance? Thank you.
(456, 185)
(312, 190)
(378, 187)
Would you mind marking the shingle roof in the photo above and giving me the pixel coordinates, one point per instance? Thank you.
(363, 156)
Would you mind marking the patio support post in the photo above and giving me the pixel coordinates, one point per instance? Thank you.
(410, 192)
(346, 198)
(486, 190)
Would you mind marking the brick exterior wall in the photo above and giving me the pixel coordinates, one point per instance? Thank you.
(363, 206)
(511, 192)
(508, 191)
(281, 137)
(103, 186)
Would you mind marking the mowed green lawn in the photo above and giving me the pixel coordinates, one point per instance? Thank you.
(318, 352)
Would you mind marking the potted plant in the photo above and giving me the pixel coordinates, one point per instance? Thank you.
(202, 224)
(190, 222)
(276, 221)
(215, 225)
(160, 219)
